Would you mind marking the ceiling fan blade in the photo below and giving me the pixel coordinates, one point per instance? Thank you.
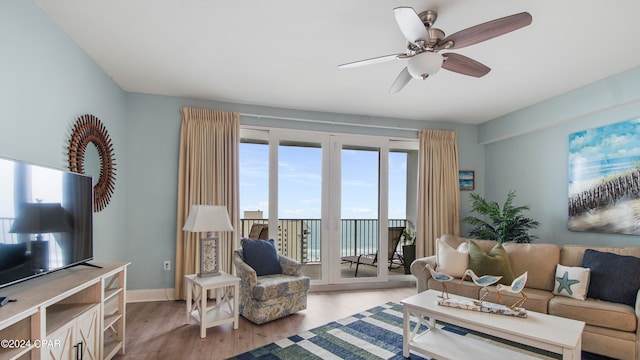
(486, 31)
(464, 65)
(410, 24)
(400, 82)
(374, 60)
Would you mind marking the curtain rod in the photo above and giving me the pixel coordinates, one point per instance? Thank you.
(328, 122)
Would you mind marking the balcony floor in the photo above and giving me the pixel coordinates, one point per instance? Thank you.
(347, 270)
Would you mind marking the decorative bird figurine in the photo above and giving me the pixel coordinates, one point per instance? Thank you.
(516, 287)
(483, 281)
(440, 277)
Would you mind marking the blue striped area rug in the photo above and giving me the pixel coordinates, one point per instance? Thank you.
(372, 334)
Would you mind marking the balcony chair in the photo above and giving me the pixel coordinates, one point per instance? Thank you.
(271, 296)
(395, 234)
(259, 231)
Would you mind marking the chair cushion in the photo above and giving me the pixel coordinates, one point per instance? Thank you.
(496, 262)
(262, 256)
(276, 285)
(613, 277)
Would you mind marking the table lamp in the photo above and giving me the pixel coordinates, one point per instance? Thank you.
(208, 218)
(40, 218)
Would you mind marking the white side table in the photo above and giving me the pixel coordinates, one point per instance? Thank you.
(225, 310)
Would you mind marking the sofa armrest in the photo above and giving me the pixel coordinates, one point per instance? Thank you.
(419, 271)
(290, 266)
(245, 272)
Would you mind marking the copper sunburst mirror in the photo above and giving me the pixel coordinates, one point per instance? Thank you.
(89, 129)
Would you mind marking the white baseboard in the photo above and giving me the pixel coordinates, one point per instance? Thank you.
(150, 295)
(145, 295)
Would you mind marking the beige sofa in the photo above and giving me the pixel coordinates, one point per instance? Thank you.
(611, 329)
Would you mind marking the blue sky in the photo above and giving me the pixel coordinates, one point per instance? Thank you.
(300, 182)
(597, 153)
(616, 140)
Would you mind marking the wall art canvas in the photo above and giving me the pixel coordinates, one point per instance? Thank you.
(467, 179)
(604, 173)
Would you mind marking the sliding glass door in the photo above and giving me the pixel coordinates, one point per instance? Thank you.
(359, 210)
(324, 198)
(358, 206)
(300, 203)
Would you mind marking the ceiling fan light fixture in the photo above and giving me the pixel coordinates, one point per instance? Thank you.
(425, 64)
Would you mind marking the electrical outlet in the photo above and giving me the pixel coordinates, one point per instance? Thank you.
(167, 265)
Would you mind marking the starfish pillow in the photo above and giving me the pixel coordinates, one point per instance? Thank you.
(572, 282)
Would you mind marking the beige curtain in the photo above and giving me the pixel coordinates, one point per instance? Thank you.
(208, 174)
(438, 189)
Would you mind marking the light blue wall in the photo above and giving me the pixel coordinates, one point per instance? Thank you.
(46, 81)
(528, 151)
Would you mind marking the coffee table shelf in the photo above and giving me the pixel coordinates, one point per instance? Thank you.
(453, 346)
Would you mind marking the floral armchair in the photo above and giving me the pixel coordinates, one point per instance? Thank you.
(269, 297)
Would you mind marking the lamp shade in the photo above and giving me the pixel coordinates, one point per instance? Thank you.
(424, 64)
(205, 218)
(40, 218)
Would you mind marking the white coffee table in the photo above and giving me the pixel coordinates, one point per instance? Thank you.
(227, 294)
(547, 332)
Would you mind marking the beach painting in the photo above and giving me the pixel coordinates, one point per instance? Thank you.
(467, 179)
(604, 176)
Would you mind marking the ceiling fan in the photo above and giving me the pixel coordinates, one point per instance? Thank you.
(425, 41)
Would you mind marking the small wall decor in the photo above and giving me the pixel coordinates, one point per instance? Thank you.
(89, 129)
(467, 179)
(604, 179)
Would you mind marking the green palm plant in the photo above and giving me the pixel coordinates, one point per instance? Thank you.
(506, 223)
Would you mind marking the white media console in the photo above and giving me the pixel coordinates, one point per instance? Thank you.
(74, 313)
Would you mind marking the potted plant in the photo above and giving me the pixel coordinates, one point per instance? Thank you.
(506, 223)
(408, 246)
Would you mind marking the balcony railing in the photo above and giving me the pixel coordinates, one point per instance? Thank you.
(300, 238)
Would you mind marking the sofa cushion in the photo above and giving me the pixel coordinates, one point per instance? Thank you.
(613, 277)
(537, 300)
(457, 287)
(496, 262)
(571, 281)
(595, 312)
(450, 260)
(539, 260)
(276, 285)
(262, 256)
(571, 255)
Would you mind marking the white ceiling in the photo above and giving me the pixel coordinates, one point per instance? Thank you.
(284, 53)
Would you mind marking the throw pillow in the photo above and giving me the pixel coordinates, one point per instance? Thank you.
(496, 262)
(451, 261)
(262, 256)
(613, 277)
(571, 281)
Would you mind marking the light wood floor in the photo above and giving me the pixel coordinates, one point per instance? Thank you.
(158, 330)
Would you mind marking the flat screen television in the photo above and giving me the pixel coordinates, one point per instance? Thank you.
(46, 220)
